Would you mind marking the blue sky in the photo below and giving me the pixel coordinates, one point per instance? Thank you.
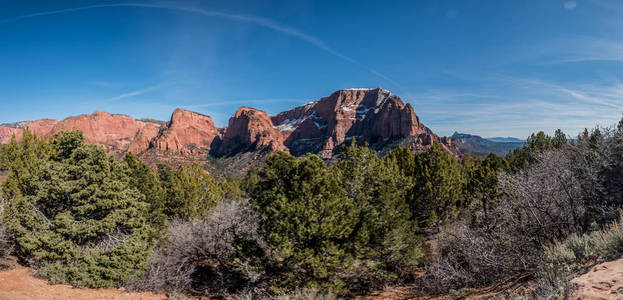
(493, 68)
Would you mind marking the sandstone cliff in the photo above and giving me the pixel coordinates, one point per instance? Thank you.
(188, 133)
(251, 129)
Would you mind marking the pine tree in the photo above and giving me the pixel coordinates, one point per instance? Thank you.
(384, 236)
(191, 192)
(306, 220)
(78, 220)
(524, 156)
(146, 181)
(560, 139)
(23, 159)
(438, 187)
(482, 185)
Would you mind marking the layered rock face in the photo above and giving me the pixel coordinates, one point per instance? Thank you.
(251, 129)
(117, 133)
(188, 133)
(142, 139)
(366, 115)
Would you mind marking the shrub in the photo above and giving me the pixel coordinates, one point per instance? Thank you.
(565, 260)
(536, 207)
(76, 218)
(219, 253)
(612, 241)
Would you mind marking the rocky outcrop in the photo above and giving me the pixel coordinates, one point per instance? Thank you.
(251, 129)
(6, 133)
(43, 127)
(114, 132)
(188, 133)
(603, 281)
(143, 138)
(372, 116)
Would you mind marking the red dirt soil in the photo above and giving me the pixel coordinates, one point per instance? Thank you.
(20, 283)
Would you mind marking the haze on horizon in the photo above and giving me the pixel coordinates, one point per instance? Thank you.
(480, 67)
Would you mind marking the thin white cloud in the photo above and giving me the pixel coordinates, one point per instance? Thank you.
(263, 22)
(520, 106)
(581, 49)
(134, 93)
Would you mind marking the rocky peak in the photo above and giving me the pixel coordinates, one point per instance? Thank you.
(251, 129)
(188, 133)
(367, 115)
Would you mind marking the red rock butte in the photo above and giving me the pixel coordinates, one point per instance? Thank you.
(373, 116)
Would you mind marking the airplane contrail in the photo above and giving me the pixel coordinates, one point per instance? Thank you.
(267, 23)
(134, 93)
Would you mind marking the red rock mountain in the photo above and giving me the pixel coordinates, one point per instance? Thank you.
(188, 133)
(251, 129)
(374, 116)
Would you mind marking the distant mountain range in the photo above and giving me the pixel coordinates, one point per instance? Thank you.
(373, 116)
(506, 140)
(476, 145)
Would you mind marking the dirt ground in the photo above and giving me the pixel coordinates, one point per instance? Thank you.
(19, 283)
(603, 281)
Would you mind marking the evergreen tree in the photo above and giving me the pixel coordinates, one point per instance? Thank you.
(77, 219)
(438, 187)
(23, 159)
(384, 235)
(482, 185)
(306, 221)
(191, 192)
(146, 181)
(536, 143)
(560, 139)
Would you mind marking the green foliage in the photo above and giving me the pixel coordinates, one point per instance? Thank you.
(383, 236)
(438, 184)
(482, 184)
(23, 159)
(577, 252)
(191, 192)
(75, 216)
(231, 187)
(319, 221)
(536, 143)
(307, 221)
(147, 182)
